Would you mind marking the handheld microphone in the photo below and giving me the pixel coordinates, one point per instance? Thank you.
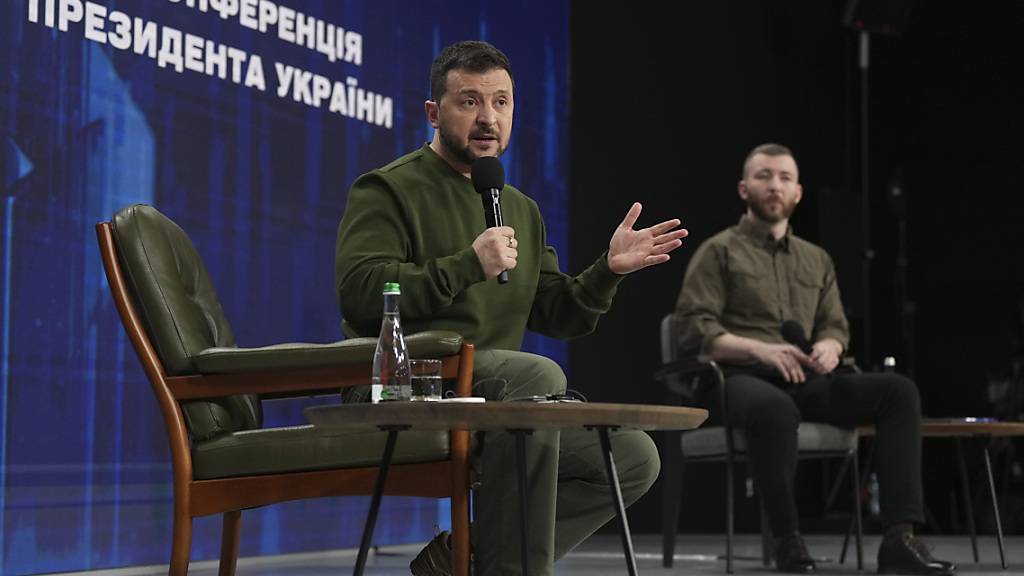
(793, 333)
(488, 176)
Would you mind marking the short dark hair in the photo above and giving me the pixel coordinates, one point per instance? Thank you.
(472, 55)
(768, 149)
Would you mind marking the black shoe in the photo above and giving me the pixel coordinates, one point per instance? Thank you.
(435, 559)
(791, 555)
(908, 554)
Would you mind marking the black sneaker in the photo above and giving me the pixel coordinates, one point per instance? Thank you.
(791, 555)
(908, 554)
(435, 559)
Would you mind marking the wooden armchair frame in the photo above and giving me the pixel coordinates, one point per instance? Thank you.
(229, 496)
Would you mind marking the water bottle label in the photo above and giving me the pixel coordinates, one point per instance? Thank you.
(390, 393)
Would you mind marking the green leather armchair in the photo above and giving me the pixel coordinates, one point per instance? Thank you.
(209, 391)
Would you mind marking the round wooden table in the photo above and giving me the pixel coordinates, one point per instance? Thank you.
(518, 418)
(959, 428)
(483, 416)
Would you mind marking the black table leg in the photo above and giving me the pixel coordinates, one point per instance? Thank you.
(521, 466)
(968, 503)
(995, 509)
(862, 479)
(620, 508)
(378, 493)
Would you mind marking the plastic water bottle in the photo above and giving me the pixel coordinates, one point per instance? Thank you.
(391, 361)
(889, 364)
(874, 507)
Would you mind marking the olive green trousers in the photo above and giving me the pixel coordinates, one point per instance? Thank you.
(568, 493)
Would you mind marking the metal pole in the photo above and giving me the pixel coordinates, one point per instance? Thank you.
(968, 503)
(620, 508)
(521, 465)
(378, 493)
(865, 200)
(995, 510)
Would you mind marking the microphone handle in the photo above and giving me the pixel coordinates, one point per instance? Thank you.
(496, 211)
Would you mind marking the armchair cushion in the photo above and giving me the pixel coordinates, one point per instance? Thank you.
(172, 289)
(180, 311)
(303, 448)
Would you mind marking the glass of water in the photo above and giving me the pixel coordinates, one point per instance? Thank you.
(426, 379)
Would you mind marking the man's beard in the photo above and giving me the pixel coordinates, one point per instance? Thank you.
(759, 209)
(462, 153)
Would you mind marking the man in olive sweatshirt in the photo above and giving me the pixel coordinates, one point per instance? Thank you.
(418, 221)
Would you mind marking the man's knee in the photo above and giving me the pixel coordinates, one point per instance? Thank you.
(768, 414)
(535, 375)
(551, 375)
(508, 374)
(760, 406)
(637, 463)
(902, 391)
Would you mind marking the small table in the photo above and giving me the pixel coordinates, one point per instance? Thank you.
(518, 418)
(957, 429)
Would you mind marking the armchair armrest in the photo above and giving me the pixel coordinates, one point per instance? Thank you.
(848, 365)
(300, 355)
(685, 367)
(679, 375)
(284, 370)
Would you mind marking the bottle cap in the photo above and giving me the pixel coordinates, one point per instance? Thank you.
(392, 288)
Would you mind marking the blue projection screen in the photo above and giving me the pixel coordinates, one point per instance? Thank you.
(245, 121)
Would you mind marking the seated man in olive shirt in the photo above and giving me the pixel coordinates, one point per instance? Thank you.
(740, 287)
(418, 221)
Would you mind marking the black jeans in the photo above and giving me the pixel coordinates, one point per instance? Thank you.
(769, 411)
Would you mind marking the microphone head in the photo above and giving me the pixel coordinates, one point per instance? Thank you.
(487, 173)
(793, 333)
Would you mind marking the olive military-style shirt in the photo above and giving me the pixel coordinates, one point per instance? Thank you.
(744, 282)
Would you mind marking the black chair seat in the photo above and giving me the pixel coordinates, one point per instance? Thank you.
(812, 437)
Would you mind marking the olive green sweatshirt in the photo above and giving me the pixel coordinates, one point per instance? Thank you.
(414, 222)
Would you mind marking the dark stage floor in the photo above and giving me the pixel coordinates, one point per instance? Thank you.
(600, 555)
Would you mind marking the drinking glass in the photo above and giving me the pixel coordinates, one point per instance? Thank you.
(426, 379)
